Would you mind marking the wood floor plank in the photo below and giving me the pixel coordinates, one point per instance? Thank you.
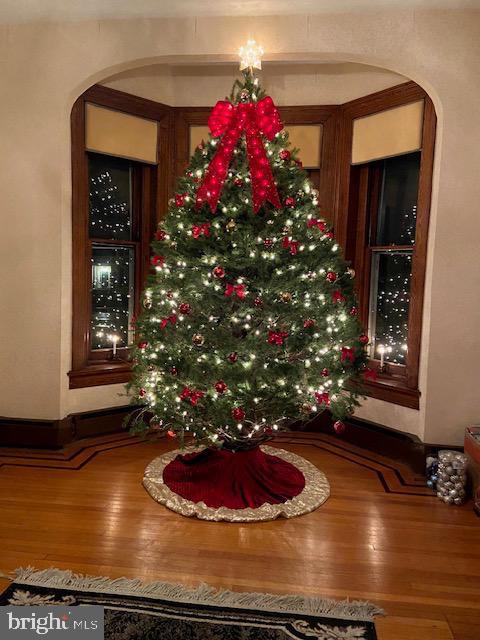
(85, 509)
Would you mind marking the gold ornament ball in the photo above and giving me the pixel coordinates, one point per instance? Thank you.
(198, 339)
(286, 296)
(306, 408)
(147, 302)
(351, 272)
(231, 225)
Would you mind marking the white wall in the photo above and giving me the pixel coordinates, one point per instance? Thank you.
(290, 84)
(44, 67)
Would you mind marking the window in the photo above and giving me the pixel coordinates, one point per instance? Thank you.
(114, 241)
(393, 192)
(382, 219)
(115, 204)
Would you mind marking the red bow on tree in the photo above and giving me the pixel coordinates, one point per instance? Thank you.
(191, 395)
(171, 319)
(157, 261)
(255, 119)
(277, 337)
(199, 229)
(348, 354)
(313, 222)
(322, 398)
(337, 296)
(290, 244)
(235, 289)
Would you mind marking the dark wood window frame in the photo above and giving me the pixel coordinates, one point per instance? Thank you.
(151, 188)
(343, 191)
(399, 384)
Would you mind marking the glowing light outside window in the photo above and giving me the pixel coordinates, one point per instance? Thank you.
(113, 263)
(391, 258)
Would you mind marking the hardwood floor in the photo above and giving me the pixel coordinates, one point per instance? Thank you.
(381, 536)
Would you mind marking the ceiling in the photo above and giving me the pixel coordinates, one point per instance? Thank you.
(59, 10)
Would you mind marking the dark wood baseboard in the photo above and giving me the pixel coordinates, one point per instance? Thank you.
(55, 434)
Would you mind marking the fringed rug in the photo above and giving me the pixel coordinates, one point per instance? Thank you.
(162, 611)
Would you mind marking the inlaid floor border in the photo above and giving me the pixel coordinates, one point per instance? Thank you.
(394, 477)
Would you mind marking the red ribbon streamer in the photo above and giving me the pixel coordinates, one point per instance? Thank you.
(235, 289)
(254, 119)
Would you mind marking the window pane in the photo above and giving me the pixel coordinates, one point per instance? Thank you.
(110, 197)
(397, 210)
(112, 295)
(389, 303)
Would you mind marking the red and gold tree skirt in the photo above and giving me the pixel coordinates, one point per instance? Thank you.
(246, 486)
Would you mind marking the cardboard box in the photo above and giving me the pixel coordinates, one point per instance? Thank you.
(472, 450)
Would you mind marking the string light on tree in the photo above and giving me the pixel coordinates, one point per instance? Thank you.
(255, 280)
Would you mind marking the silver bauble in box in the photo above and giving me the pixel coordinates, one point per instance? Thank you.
(451, 477)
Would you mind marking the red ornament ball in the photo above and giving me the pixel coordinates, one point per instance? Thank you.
(331, 276)
(220, 386)
(308, 323)
(268, 242)
(170, 295)
(363, 339)
(339, 427)
(268, 431)
(171, 434)
(285, 154)
(219, 272)
(233, 357)
(180, 199)
(289, 202)
(353, 311)
(143, 344)
(185, 308)
(237, 182)
(238, 413)
(325, 372)
(299, 163)
(160, 234)
(258, 302)
(142, 393)
(174, 371)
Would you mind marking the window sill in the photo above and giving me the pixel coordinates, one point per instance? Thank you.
(101, 373)
(391, 389)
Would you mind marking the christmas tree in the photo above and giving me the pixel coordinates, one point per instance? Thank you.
(250, 320)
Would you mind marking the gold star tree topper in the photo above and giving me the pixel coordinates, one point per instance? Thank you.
(250, 55)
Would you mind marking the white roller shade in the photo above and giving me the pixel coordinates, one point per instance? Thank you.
(307, 138)
(120, 134)
(388, 133)
(197, 134)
